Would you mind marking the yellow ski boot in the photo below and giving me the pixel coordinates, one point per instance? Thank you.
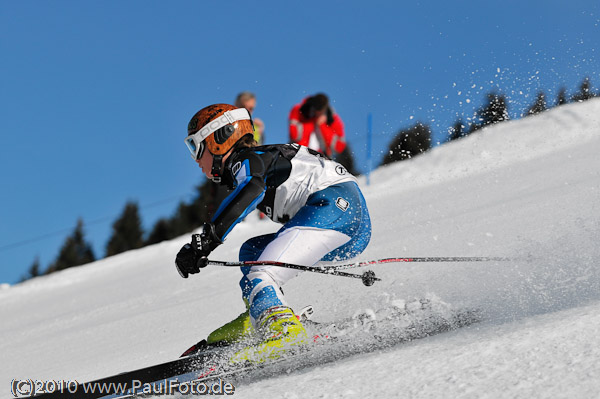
(282, 332)
(236, 330)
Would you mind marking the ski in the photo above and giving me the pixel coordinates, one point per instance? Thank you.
(364, 332)
(223, 378)
(200, 364)
(211, 369)
(118, 386)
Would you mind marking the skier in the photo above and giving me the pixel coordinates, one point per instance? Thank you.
(320, 205)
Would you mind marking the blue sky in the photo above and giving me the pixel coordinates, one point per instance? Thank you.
(95, 96)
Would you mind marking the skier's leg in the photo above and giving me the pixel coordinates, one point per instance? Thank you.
(333, 225)
(305, 246)
(241, 327)
(268, 311)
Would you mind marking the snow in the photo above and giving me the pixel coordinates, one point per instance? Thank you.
(527, 189)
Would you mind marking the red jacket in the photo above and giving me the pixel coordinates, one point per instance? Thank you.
(324, 138)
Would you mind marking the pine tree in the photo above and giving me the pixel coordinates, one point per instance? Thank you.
(127, 231)
(74, 252)
(204, 205)
(409, 143)
(189, 216)
(457, 131)
(538, 106)
(585, 91)
(347, 160)
(160, 232)
(562, 97)
(184, 220)
(210, 197)
(495, 111)
(34, 270)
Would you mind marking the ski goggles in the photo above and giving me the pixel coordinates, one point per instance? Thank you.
(196, 142)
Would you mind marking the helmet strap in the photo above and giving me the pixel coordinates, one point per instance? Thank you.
(216, 168)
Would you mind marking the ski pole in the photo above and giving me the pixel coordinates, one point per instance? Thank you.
(368, 277)
(419, 259)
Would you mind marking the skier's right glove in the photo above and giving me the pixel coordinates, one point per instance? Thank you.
(194, 256)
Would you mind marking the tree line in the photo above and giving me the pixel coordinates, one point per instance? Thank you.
(128, 234)
(414, 140)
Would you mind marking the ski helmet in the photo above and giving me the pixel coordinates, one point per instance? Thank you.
(217, 128)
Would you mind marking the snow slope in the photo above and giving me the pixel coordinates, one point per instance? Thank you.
(528, 189)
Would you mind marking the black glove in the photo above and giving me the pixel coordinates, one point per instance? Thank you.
(194, 256)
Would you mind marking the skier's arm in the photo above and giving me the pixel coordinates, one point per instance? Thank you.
(249, 192)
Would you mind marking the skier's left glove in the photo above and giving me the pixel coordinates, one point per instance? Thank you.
(194, 256)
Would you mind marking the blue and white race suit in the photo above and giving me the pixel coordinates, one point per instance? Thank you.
(323, 213)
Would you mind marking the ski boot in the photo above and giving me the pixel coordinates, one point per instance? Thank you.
(237, 330)
(281, 332)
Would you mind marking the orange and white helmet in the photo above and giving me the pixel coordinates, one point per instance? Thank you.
(217, 127)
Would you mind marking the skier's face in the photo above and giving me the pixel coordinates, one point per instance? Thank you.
(205, 163)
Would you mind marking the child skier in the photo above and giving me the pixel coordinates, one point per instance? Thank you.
(323, 212)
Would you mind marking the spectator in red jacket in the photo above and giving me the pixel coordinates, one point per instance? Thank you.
(315, 125)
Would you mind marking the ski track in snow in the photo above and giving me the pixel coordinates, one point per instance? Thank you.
(527, 189)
